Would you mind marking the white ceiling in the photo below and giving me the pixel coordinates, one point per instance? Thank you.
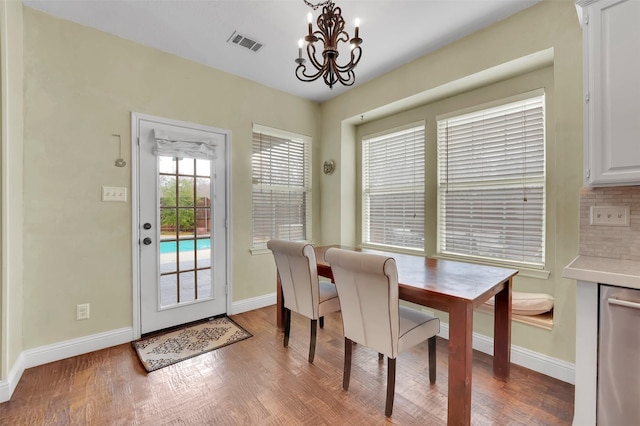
(393, 32)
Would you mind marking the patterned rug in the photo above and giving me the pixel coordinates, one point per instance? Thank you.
(174, 346)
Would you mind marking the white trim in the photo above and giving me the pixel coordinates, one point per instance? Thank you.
(61, 350)
(135, 225)
(252, 303)
(82, 345)
(8, 386)
(543, 364)
(527, 358)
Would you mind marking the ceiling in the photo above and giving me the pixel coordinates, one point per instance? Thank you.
(393, 32)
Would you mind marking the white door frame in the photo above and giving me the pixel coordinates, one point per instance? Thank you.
(135, 219)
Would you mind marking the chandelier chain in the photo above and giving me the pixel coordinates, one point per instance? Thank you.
(316, 6)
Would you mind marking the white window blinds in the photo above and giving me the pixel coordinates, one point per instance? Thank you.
(393, 189)
(491, 183)
(281, 176)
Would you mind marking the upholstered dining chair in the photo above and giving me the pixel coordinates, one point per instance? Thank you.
(372, 316)
(303, 292)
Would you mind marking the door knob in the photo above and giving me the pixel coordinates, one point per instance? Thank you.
(146, 241)
(147, 225)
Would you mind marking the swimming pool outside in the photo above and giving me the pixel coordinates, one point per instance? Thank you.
(184, 245)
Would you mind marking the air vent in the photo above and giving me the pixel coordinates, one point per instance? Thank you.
(243, 41)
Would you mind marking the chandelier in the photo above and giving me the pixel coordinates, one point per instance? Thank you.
(330, 33)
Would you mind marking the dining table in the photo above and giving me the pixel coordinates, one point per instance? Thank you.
(457, 288)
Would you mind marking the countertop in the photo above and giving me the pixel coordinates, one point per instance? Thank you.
(602, 270)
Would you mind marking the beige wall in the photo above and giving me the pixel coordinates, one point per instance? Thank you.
(11, 94)
(81, 85)
(427, 87)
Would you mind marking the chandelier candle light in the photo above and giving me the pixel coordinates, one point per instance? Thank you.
(330, 32)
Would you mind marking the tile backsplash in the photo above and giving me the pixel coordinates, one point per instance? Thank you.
(617, 242)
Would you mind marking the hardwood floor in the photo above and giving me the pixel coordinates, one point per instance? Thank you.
(258, 382)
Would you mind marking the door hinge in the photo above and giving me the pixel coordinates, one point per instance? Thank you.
(587, 96)
(586, 19)
(138, 140)
(588, 174)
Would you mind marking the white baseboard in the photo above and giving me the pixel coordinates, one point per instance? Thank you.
(253, 303)
(8, 386)
(535, 361)
(61, 350)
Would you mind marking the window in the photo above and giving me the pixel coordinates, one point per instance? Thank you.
(491, 183)
(393, 189)
(281, 164)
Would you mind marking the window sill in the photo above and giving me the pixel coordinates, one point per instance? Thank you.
(542, 321)
(393, 249)
(259, 251)
(540, 274)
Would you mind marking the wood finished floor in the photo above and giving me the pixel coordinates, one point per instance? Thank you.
(258, 382)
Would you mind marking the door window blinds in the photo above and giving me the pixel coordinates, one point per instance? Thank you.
(491, 183)
(281, 176)
(393, 189)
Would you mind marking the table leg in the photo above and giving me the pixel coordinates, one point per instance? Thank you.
(279, 304)
(502, 333)
(460, 363)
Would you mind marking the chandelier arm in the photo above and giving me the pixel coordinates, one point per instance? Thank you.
(356, 54)
(311, 53)
(301, 73)
(346, 77)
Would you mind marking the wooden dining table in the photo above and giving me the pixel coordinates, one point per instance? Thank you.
(456, 288)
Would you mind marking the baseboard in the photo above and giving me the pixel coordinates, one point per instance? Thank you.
(527, 358)
(8, 386)
(61, 350)
(253, 303)
(535, 361)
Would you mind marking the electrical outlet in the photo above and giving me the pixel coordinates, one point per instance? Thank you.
(82, 311)
(114, 193)
(610, 215)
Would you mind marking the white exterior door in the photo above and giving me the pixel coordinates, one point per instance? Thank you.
(181, 222)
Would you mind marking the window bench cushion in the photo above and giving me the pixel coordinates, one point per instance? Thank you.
(523, 303)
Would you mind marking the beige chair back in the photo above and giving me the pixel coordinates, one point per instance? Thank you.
(367, 286)
(296, 263)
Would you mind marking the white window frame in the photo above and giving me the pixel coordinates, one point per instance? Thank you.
(492, 236)
(404, 173)
(265, 187)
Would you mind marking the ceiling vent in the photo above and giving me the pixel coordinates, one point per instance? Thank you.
(243, 41)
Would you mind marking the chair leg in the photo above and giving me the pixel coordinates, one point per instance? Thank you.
(348, 346)
(321, 322)
(287, 326)
(432, 359)
(380, 356)
(312, 343)
(391, 385)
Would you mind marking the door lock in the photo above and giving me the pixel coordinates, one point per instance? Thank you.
(147, 225)
(146, 241)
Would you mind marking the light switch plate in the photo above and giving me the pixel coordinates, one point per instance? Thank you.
(114, 193)
(610, 215)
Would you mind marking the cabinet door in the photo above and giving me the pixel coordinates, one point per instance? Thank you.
(612, 42)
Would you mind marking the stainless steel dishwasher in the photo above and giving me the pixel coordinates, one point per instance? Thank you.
(619, 357)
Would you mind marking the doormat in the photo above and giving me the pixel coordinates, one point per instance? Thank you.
(165, 349)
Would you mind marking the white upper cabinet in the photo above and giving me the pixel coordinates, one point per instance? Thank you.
(611, 37)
